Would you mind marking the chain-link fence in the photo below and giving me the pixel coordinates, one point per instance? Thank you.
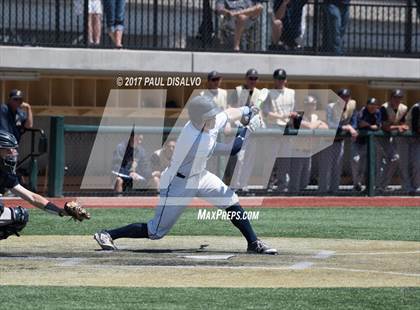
(374, 164)
(383, 28)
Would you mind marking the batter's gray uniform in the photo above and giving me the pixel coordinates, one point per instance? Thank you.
(187, 177)
(331, 159)
(395, 148)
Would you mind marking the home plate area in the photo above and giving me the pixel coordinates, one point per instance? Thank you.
(208, 261)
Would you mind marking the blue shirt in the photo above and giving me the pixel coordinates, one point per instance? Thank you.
(11, 122)
(370, 118)
(126, 154)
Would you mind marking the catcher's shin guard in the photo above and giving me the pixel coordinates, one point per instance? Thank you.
(12, 221)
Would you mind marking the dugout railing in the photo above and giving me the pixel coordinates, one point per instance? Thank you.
(71, 145)
(375, 28)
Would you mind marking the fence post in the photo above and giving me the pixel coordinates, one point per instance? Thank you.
(315, 30)
(86, 22)
(408, 33)
(371, 165)
(56, 158)
(57, 21)
(155, 23)
(33, 174)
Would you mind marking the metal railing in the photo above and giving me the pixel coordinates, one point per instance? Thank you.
(388, 28)
(65, 138)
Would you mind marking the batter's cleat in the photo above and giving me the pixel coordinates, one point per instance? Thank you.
(105, 241)
(259, 247)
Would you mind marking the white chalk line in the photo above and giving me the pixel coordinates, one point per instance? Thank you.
(372, 271)
(377, 253)
(300, 266)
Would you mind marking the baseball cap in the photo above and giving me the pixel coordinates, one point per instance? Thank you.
(16, 94)
(344, 92)
(280, 74)
(213, 75)
(397, 93)
(251, 73)
(372, 101)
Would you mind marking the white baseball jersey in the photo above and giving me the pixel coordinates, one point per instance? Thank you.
(187, 178)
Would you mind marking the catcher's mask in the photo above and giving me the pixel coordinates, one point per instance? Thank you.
(8, 152)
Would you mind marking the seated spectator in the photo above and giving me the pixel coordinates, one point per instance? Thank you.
(336, 16)
(161, 159)
(368, 118)
(16, 115)
(115, 14)
(130, 165)
(240, 14)
(287, 24)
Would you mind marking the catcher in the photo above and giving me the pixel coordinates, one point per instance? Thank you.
(13, 220)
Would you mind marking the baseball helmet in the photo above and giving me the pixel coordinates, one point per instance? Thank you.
(310, 100)
(16, 94)
(202, 108)
(397, 93)
(8, 141)
(344, 92)
(372, 101)
(280, 74)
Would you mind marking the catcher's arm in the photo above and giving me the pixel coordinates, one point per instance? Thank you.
(77, 213)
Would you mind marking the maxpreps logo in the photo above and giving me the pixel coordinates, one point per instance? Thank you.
(214, 215)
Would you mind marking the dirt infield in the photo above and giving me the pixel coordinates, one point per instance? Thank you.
(208, 261)
(263, 202)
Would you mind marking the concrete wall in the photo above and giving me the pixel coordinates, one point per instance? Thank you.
(117, 62)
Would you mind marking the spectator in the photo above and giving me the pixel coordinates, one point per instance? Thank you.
(393, 114)
(413, 121)
(279, 8)
(161, 159)
(130, 165)
(287, 23)
(335, 22)
(278, 111)
(240, 15)
(95, 22)
(238, 167)
(331, 159)
(368, 118)
(418, 7)
(301, 162)
(16, 115)
(115, 14)
(219, 95)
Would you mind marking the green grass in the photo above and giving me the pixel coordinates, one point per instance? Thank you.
(353, 223)
(21, 297)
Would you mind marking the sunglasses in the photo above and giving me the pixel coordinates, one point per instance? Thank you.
(215, 79)
(253, 78)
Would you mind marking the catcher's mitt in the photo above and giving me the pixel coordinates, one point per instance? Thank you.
(76, 211)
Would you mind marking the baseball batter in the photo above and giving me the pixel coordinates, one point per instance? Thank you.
(187, 177)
